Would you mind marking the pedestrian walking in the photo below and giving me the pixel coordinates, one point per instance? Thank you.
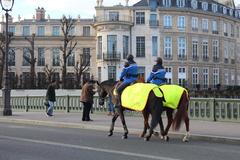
(51, 98)
(87, 99)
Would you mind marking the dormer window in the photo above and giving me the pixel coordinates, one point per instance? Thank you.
(194, 4)
(181, 3)
(167, 3)
(205, 6)
(236, 13)
(214, 8)
(224, 10)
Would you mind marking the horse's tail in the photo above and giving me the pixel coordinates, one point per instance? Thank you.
(181, 111)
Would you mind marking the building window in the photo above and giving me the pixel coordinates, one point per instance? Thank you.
(168, 75)
(140, 46)
(11, 57)
(86, 56)
(194, 77)
(205, 78)
(214, 8)
(167, 21)
(226, 52)
(112, 44)
(214, 27)
(195, 49)
(26, 57)
(40, 30)
(181, 22)
(140, 18)
(167, 3)
(113, 16)
(205, 25)
(41, 57)
(237, 31)
(205, 49)
(125, 46)
(55, 30)
(71, 59)
(26, 30)
(215, 77)
(194, 23)
(225, 29)
(99, 74)
(154, 45)
(56, 57)
(182, 76)
(226, 77)
(181, 3)
(232, 30)
(112, 72)
(72, 31)
(153, 20)
(205, 6)
(99, 47)
(181, 48)
(167, 47)
(86, 31)
(12, 29)
(215, 47)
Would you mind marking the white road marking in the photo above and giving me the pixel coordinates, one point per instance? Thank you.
(88, 148)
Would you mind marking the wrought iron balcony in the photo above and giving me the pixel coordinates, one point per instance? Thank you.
(216, 59)
(153, 23)
(182, 57)
(115, 56)
(195, 58)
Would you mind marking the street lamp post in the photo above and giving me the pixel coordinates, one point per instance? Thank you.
(7, 110)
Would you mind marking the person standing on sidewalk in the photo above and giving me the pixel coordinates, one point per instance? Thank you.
(51, 97)
(87, 99)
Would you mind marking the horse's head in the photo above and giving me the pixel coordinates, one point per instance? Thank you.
(104, 89)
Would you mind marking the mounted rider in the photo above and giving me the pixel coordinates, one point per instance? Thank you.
(157, 75)
(128, 75)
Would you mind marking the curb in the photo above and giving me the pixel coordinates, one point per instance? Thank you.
(211, 138)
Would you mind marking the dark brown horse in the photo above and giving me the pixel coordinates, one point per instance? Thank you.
(181, 114)
(153, 107)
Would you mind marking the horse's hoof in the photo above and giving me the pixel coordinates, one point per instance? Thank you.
(110, 134)
(141, 135)
(162, 137)
(166, 138)
(146, 139)
(124, 137)
(156, 134)
(185, 139)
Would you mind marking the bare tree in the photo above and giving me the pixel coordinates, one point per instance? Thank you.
(81, 67)
(67, 25)
(31, 60)
(49, 73)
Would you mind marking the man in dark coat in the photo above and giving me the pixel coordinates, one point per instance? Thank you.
(51, 97)
(87, 99)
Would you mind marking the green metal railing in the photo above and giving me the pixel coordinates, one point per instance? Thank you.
(211, 109)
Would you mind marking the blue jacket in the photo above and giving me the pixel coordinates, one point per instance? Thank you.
(157, 76)
(129, 73)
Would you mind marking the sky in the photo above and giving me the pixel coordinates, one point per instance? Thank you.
(56, 8)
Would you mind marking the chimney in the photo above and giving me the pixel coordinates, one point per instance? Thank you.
(40, 14)
(100, 3)
(127, 2)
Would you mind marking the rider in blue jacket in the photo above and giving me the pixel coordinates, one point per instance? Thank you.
(157, 76)
(129, 74)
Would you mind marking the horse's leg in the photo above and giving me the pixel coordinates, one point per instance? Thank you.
(146, 125)
(187, 135)
(123, 123)
(114, 118)
(169, 113)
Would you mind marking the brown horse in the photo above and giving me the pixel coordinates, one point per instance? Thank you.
(181, 114)
(153, 107)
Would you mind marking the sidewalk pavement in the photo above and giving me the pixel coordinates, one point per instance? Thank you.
(199, 130)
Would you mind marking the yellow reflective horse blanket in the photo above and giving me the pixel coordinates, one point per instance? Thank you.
(172, 95)
(135, 97)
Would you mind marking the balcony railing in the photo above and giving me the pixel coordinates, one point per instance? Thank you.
(116, 56)
(153, 23)
(195, 58)
(216, 59)
(182, 57)
(117, 19)
(205, 58)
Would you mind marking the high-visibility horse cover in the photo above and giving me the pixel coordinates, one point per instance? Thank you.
(135, 96)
